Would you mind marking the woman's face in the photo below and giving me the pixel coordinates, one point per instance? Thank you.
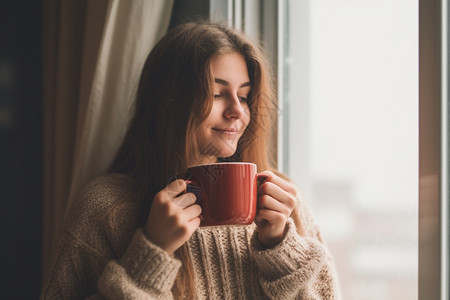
(219, 133)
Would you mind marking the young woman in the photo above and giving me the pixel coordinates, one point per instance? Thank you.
(204, 96)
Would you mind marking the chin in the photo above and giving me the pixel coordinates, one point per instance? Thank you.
(227, 154)
(220, 148)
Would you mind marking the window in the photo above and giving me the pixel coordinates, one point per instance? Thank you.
(350, 140)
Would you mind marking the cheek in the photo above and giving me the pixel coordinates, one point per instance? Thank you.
(200, 132)
(247, 117)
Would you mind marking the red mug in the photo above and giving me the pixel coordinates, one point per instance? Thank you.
(227, 192)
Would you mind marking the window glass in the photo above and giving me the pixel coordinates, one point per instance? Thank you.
(350, 135)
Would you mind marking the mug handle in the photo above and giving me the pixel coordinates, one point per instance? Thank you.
(193, 186)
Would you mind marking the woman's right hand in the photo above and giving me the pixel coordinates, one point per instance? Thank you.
(172, 220)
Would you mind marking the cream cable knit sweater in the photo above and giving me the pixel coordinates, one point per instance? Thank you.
(103, 255)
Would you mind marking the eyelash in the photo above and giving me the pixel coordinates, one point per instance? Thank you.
(217, 96)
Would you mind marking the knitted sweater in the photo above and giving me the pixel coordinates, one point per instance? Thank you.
(102, 254)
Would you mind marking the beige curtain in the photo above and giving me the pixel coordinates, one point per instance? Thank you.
(93, 54)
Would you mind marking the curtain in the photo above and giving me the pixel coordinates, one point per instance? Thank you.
(93, 55)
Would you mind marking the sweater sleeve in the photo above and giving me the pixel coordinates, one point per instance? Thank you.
(144, 272)
(96, 261)
(297, 268)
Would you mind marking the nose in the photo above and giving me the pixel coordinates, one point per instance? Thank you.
(235, 108)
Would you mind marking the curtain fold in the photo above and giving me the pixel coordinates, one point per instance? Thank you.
(131, 29)
(93, 55)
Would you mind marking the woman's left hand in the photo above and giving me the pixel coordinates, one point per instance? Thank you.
(276, 200)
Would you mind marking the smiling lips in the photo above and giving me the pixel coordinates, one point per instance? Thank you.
(227, 130)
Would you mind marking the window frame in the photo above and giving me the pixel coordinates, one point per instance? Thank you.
(433, 150)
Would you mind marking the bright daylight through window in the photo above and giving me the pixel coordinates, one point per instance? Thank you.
(350, 135)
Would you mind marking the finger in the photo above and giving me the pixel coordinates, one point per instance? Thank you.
(176, 187)
(190, 227)
(191, 212)
(269, 203)
(273, 190)
(194, 223)
(272, 217)
(282, 183)
(185, 200)
(278, 193)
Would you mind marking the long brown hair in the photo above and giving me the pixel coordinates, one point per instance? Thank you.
(174, 96)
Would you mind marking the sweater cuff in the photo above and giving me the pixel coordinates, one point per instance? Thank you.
(148, 265)
(292, 254)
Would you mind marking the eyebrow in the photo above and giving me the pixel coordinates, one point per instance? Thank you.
(226, 83)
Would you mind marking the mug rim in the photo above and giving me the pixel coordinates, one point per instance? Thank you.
(223, 163)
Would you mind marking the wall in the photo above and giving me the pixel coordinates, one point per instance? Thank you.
(20, 148)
